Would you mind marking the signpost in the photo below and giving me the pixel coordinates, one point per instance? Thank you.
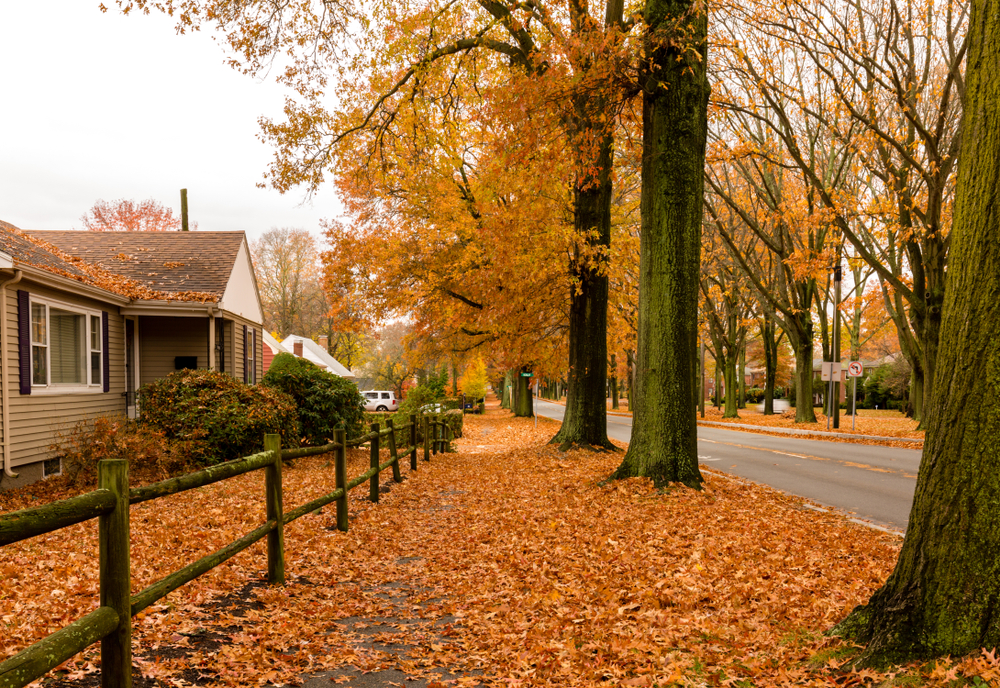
(855, 369)
(831, 374)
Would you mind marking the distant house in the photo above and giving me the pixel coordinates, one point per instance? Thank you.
(272, 347)
(303, 347)
(89, 317)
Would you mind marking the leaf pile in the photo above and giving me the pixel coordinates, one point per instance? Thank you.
(551, 577)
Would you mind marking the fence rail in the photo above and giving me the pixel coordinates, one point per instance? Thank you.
(111, 622)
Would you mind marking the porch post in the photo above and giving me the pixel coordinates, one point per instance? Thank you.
(211, 339)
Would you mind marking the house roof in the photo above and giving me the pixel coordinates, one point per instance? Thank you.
(24, 250)
(35, 250)
(314, 352)
(171, 262)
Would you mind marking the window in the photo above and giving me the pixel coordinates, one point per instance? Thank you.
(67, 346)
(385, 395)
(250, 348)
(371, 395)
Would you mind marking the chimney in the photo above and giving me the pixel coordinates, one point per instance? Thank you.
(297, 349)
(324, 341)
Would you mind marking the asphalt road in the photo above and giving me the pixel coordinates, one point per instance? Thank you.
(871, 483)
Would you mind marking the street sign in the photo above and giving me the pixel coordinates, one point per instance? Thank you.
(855, 369)
(831, 371)
(526, 374)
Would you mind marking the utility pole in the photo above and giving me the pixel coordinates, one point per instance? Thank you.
(184, 210)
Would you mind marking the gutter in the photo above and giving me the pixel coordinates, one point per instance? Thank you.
(4, 376)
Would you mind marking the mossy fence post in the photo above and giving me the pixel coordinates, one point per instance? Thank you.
(373, 483)
(275, 512)
(115, 574)
(396, 476)
(436, 443)
(413, 442)
(427, 438)
(340, 469)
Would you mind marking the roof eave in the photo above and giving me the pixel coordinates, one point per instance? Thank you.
(70, 284)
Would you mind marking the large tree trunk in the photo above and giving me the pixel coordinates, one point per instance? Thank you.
(804, 375)
(674, 122)
(943, 598)
(613, 383)
(585, 422)
(522, 402)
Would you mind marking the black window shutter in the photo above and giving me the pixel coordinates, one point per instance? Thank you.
(105, 353)
(24, 340)
(253, 335)
(246, 372)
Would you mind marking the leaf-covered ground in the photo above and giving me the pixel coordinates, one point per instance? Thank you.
(531, 571)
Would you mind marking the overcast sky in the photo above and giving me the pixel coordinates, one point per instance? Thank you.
(101, 106)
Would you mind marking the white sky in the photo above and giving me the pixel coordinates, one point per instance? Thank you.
(99, 105)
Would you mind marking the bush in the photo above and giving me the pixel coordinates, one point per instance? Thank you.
(324, 400)
(755, 395)
(217, 417)
(147, 449)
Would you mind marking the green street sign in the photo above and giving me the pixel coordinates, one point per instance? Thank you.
(526, 374)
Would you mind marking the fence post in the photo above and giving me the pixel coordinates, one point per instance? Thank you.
(116, 583)
(275, 512)
(373, 483)
(340, 468)
(396, 477)
(427, 437)
(436, 443)
(413, 442)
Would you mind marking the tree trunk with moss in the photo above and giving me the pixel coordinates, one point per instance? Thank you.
(613, 383)
(770, 342)
(522, 401)
(674, 121)
(732, 388)
(943, 598)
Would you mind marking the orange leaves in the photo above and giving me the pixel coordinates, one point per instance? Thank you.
(128, 216)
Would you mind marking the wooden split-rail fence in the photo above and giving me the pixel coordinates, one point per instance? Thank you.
(111, 622)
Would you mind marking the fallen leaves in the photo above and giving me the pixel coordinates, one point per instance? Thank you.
(532, 571)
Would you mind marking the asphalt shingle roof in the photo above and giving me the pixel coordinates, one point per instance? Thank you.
(166, 261)
(12, 242)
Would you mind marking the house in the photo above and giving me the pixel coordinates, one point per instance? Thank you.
(87, 318)
(272, 347)
(303, 347)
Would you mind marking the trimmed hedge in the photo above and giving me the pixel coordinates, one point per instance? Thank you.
(217, 417)
(324, 400)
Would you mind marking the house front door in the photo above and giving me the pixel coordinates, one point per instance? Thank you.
(131, 367)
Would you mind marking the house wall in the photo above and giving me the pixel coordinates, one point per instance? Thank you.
(161, 338)
(39, 419)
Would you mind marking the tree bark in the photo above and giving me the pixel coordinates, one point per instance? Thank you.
(613, 380)
(522, 402)
(674, 121)
(770, 362)
(585, 422)
(732, 387)
(943, 598)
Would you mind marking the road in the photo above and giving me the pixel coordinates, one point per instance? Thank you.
(870, 483)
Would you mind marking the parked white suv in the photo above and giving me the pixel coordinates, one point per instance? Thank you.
(379, 400)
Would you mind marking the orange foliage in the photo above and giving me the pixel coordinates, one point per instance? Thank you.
(128, 216)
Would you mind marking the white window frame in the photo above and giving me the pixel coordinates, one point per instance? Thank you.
(89, 387)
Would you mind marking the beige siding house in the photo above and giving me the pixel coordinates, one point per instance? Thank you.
(87, 318)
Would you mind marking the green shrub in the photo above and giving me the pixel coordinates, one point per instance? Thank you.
(755, 395)
(324, 400)
(217, 417)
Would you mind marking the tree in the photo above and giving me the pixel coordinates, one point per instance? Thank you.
(474, 379)
(126, 215)
(286, 261)
(389, 363)
(675, 94)
(944, 595)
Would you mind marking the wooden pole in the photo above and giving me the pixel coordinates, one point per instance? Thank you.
(116, 582)
(275, 512)
(427, 437)
(184, 210)
(413, 441)
(340, 469)
(373, 482)
(436, 444)
(396, 475)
